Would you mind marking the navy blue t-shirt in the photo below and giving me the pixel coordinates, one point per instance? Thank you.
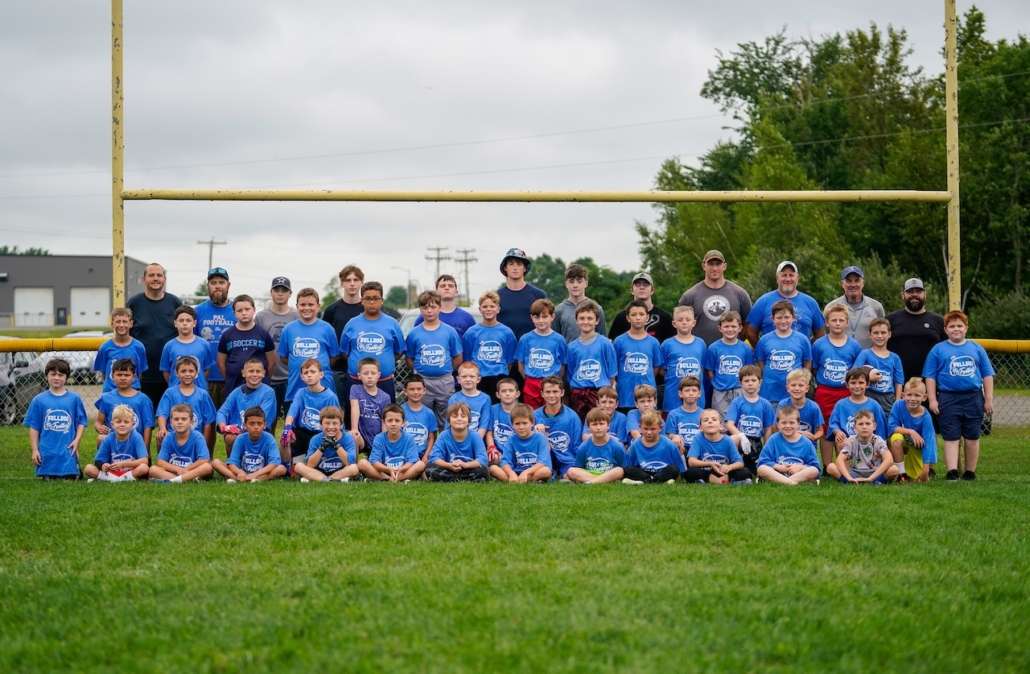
(515, 307)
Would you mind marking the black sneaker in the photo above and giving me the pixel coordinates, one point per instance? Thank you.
(952, 475)
(969, 476)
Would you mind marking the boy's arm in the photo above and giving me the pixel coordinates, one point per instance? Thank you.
(220, 362)
(988, 394)
(100, 424)
(355, 415)
(731, 428)
(455, 361)
(34, 444)
(146, 437)
(74, 444)
(842, 466)
(272, 359)
(931, 394)
(522, 370)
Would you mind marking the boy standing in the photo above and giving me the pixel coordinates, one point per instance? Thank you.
(600, 457)
(913, 441)
(683, 355)
(253, 393)
(490, 345)
(652, 458)
(566, 316)
(214, 316)
(241, 342)
(560, 424)
(500, 418)
(419, 420)
(526, 456)
(841, 424)
(394, 456)
(458, 455)
(809, 414)
(124, 373)
(477, 401)
(122, 455)
(121, 345)
(272, 320)
(254, 455)
(723, 361)
(203, 414)
(372, 334)
(713, 458)
(788, 458)
(450, 313)
(56, 419)
(183, 456)
(367, 403)
(305, 338)
(592, 364)
(751, 418)
(780, 351)
(833, 355)
(639, 355)
(186, 344)
(683, 423)
(434, 351)
(332, 454)
(886, 374)
(541, 353)
(864, 456)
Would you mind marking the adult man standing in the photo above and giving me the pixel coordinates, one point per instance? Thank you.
(152, 324)
(215, 315)
(272, 320)
(713, 296)
(516, 294)
(338, 314)
(914, 330)
(862, 310)
(659, 322)
(450, 312)
(809, 321)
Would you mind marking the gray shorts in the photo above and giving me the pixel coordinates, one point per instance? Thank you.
(438, 391)
(721, 399)
(884, 400)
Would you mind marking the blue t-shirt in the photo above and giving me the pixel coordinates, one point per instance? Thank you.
(515, 306)
(239, 346)
(199, 350)
(253, 455)
(242, 398)
(432, 351)
(142, 409)
(200, 402)
(186, 454)
(113, 450)
(479, 409)
(109, 352)
(57, 419)
(778, 356)
(492, 348)
(808, 315)
(809, 416)
(600, 459)
(779, 451)
(831, 363)
(637, 359)
(685, 424)
(563, 431)
(331, 461)
(212, 321)
(891, 372)
(724, 362)
(459, 319)
(418, 425)
(521, 454)
(900, 417)
(393, 453)
(617, 428)
(381, 339)
(300, 341)
(721, 451)
(500, 426)
(751, 418)
(652, 459)
(370, 411)
(447, 448)
(682, 360)
(541, 355)
(958, 367)
(843, 417)
(591, 365)
(307, 405)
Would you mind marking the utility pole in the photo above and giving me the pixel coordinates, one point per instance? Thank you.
(465, 260)
(211, 249)
(438, 257)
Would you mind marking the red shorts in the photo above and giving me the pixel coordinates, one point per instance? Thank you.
(826, 398)
(582, 400)
(531, 392)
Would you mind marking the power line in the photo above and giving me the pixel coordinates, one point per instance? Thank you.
(437, 257)
(211, 248)
(465, 259)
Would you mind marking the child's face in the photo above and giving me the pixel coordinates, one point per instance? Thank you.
(646, 403)
(244, 313)
(489, 309)
(690, 395)
(684, 322)
(507, 393)
(372, 302)
(307, 307)
(710, 422)
(331, 427)
(253, 374)
(913, 397)
(543, 320)
(586, 322)
(783, 319)
(448, 289)
(184, 324)
(750, 384)
(468, 379)
(254, 427)
(551, 393)
(523, 427)
(836, 323)
(650, 433)
(187, 374)
(122, 426)
(956, 330)
(430, 312)
(607, 403)
(599, 429)
(351, 285)
(788, 425)
(864, 427)
(393, 423)
(368, 374)
(56, 379)
(181, 421)
(459, 421)
(636, 317)
(414, 391)
(280, 296)
(879, 334)
(311, 375)
(797, 388)
(576, 286)
(123, 378)
(121, 325)
(729, 330)
(857, 386)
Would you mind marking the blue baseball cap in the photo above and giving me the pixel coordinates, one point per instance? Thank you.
(217, 271)
(848, 271)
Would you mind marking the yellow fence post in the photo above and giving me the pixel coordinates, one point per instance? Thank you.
(117, 161)
(951, 126)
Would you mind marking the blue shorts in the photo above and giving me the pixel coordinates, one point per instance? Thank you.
(962, 414)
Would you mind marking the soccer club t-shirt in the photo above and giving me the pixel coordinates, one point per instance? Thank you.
(520, 454)
(780, 355)
(751, 418)
(189, 452)
(331, 460)
(685, 424)
(301, 341)
(900, 417)
(433, 351)
(637, 359)
(891, 372)
(418, 424)
(958, 367)
(393, 453)
(810, 416)
(724, 362)
(832, 362)
(721, 451)
(563, 431)
(109, 352)
(659, 455)
(113, 450)
(591, 364)
(380, 338)
(492, 348)
(212, 321)
(307, 405)
(682, 360)
(500, 426)
(242, 399)
(783, 452)
(142, 409)
(843, 417)
(199, 350)
(56, 418)
(808, 315)
(448, 448)
(479, 409)
(252, 455)
(600, 458)
(200, 402)
(541, 355)
(239, 346)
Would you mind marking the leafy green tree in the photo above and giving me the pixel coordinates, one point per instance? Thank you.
(330, 292)
(14, 250)
(396, 297)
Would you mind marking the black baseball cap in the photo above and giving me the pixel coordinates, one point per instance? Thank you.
(281, 282)
(217, 271)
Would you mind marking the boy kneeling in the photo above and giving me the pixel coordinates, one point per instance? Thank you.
(332, 454)
(122, 455)
(864, 456)
(394, 455)
(526, 456)
(255, 456)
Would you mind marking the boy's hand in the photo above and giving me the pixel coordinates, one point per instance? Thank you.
(917, 439)
(232, 429)
(36, 457)
(492, 454)
(161, 433)
(73, 446)
(101, 429)
(839, 438)
(988, 404)
(874, 374)
(105, 467)
(288, 437)
(540, 428)
(934, 407)
(454, 466)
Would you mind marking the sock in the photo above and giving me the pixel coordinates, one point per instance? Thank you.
(104, 476)
(177, 478)
(900, 465)
(128, 477)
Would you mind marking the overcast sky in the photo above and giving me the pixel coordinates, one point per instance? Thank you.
(401, 95)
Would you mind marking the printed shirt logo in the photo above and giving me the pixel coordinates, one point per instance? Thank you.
(417, 432)
(788, 460)
(558, 441)
(730, 365)
(750, 425)
(432, 355)
(57, 421)
(834, 371)
(687, 367)
(636, 363)
(181, 460)
(687, 431)
(718, 458)
(502, 433)
(602, 463)
(653, 466)
(541, 359)
(589, 370)
(962, 366)
(306, 347)
(490, 352)
(309, 418)
(849, 426)
(331, 464)
(473, 420)
(715, 306)
(885, 382)
(525, 459)
(782, 360)
(370, 342)
(395, 461)
(252, 462)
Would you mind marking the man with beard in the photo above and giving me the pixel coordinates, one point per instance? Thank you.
(152, 316)
(862, 310)
(713, 296)
(808, 320)
(914, 330)
(215, 315)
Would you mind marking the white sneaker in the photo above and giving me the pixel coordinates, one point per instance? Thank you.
(229, 480)
(128, 477)
(344, 479)
(105, 476)
(90, 480)
(627, 480)
(304, 480)
(673, 481)
(177, 478)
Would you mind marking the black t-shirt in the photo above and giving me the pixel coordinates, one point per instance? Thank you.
(337, 314)
(912, 337)
(152, 324)
(659, 325)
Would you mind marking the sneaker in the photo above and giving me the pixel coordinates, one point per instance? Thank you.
(969, 475)
(229, 480)
(673, 481)
(627, 480)
(90, 480)
(304, 480)
(952, 475)
(744, 481)
(344, 479)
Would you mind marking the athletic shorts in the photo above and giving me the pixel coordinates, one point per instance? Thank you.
(826, 398)
(531, 392)
(962, 414)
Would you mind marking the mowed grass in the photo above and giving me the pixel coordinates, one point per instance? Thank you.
(446, 578)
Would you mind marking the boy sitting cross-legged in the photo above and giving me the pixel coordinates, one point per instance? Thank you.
(788, 457)
(864, 456)
(526, 456)
(458, 454)
(713, 457)
(332, 454)
(122, 456)
(394, 456)
(183, 456)
(255, 457)
(652, 457)
(600, 457)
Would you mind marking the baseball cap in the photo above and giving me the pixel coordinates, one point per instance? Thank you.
(515, 254)
(714, 255)
(281, 282)
(848, 271)
(914, 284)
(785, 263)
(643, 276)
(217, 271)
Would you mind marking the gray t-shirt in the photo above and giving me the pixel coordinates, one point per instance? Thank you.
(711, 303)
(565, 320)
(860, 315)
(864, 457)
(273, 324)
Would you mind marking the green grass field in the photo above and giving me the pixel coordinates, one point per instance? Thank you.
(425, 577)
